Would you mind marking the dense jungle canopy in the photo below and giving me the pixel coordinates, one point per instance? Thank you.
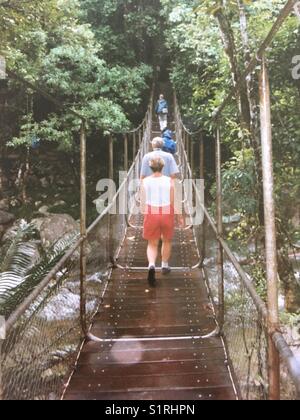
(99, 58)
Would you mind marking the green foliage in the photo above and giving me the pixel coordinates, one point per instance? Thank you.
(202, 77)
(16, 254)
(56, 45)
(239, 184)
(199, 68)
(291, 320)
(127, 29)
(258, 274)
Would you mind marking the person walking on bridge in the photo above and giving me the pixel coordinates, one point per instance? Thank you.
(158, 207)
(170, 145)
(162, 111)
(170, 168)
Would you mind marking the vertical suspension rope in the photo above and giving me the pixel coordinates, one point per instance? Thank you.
(202, 177)
(134, 146)
(83, 228)
(220, 258)
(126, 152)
(111, 177)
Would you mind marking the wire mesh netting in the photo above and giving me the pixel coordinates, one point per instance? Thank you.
(40, 347)
(246, 338)
(244, 329)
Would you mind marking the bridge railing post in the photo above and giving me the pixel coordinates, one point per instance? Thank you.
(111, 177)
(270, 231)
(140, 137)
(202, 178)
(83, 229)
(126, 153)
(220, 256)
(143, 129)
(111, 157)
(192, 156)
(134, 147)
(188, 145)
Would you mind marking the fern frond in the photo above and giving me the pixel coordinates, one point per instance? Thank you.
(9, 280)
(16, 248)
(14, 296)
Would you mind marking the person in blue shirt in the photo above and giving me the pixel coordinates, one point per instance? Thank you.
(170, 168)
(162, 111)
(170, 145)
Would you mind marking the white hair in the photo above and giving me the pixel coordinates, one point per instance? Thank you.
(157, 143)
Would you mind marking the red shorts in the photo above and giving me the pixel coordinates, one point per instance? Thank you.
(159, 222)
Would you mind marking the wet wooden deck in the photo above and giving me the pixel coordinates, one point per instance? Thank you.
(165, 361)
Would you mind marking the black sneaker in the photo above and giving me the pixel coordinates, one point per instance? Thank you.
(151, 277)
(166, 270)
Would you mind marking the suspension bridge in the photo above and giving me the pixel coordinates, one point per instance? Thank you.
(183, 340)
(156, 343)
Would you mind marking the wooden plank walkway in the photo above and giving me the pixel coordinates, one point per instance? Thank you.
(164, 362)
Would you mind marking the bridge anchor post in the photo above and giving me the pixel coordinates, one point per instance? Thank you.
(83, 229)
(220, 257)
(134, 147)
(270, 231)
(110, 237)
(126, 164)
(203, 227)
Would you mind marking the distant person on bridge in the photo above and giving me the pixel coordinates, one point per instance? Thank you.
(162, 111)
(170, 145)
(170, 168)
(158, 207)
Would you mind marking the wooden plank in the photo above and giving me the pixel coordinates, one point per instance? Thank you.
(138, 356)
(125, 316)
(151, 383)
(177, 368)
(151, 299)
(147, 293)
(167, 322)
(212, 394)
(153, 331)
(209, 343)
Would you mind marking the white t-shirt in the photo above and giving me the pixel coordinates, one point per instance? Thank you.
(158, 191)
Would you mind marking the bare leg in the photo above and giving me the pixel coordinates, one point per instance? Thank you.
(152, 252)
(166, 250)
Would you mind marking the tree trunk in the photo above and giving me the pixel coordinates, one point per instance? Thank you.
(245, 98)
(253, 107)
(231, 52)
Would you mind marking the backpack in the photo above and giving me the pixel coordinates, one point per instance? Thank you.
(162, 107)
(169, 146)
